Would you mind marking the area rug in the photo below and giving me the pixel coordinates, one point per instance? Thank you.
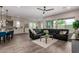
(73, 36)
(42, 42)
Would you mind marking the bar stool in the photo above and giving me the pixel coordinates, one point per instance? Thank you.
(2, 36)
(8, 35)
(11, 34)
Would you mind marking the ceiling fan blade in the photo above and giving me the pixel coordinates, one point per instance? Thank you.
(43, 12)
(40, 9)
(49, 9)
(45, 7)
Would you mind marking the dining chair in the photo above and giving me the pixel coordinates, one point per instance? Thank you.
(11, 34)
(2, 36)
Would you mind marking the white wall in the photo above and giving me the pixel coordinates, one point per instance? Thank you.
(65, 15)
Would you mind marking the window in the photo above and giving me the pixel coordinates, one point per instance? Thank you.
(42, 26)
(64, 24)
(54, 24)
(17, 23)
(32, 25)
(69, 24)
(61, 24)
(49, 24)
(69, 21)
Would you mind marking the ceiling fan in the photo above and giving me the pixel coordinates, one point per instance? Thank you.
(44, 9)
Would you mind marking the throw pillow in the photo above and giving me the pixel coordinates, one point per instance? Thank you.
(62, 32)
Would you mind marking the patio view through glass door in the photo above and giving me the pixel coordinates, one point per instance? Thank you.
(64, 24)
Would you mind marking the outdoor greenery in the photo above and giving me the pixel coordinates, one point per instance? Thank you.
(76, 24)
(49, 24)
(61, 22)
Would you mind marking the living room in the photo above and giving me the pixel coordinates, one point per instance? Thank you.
(39, 29)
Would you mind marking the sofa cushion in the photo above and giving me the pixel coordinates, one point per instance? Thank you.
(53, 31)
(63, 32)
(38, 31)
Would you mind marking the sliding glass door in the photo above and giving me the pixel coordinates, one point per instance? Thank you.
(64, 24)
(49, 24)
(61, 24)
(69, 24)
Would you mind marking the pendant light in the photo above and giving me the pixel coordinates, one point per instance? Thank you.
(1, 16)
(6, 14)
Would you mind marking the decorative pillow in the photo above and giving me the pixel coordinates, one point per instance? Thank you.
(46, 31)
(33, 31)
(62, 32)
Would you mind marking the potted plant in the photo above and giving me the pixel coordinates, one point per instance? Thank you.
(76, 27)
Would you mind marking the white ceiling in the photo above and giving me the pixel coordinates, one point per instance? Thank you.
(32, 13)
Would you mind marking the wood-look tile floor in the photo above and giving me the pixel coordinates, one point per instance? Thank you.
(75, 46)
(23, 44)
